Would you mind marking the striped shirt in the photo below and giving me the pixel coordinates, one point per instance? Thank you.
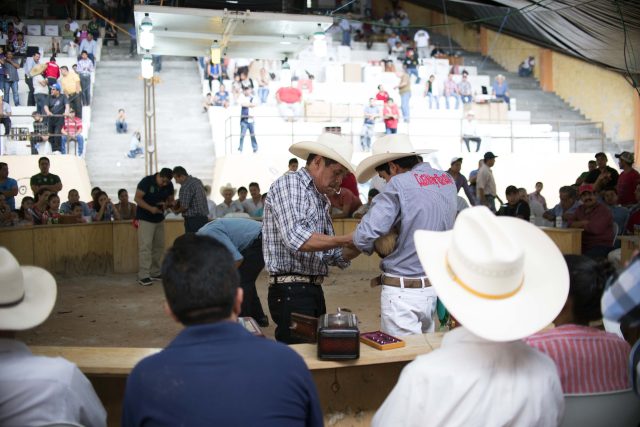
(588, 360)
(293, 211)
(421, 199)
(73, 126)
(193, 198)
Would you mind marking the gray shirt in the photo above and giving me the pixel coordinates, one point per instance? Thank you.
(12, 72)
(421, 199)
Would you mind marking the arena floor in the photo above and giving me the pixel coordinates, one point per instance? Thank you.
(114, 311)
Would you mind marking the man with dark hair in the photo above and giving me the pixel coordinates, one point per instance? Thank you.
(566, 208)
(603, 176)
(85, 69)
(251, 205)
(628, 179)
(591, 166)
(192, 200)
(243, 238)
(154, 195)
(515, 206)
(70, 82)
(293, 166)
(44, 179)
(596, 222)
(215, 372)
(485, 184)
(299, 242)
(57, 109)
(416, 197)
(73, 197)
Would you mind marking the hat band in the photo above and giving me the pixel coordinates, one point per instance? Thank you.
(13, 303)
(476, 293)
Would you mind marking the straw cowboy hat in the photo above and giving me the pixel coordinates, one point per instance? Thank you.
(38, 69)
(386, 149)
(330, 145)
(501, 277)
(27, 294)
(226, 187)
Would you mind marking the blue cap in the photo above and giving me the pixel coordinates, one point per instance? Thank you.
(55, 86)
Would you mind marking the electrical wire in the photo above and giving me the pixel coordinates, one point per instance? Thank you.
(633, 81)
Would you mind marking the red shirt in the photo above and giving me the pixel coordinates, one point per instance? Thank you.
(349, 181)
(588, 360)
(627, 182)
(345, 198)
(73, 126)
(289, 95)
(389, 110)
(382, 96)
(599, 230)
(53, 70)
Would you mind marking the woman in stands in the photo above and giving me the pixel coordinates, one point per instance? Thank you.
(126, 209)
(104, 209)
(52, 72)
(24, 213)
(95, 192)
(40, 207)
(82, 34)
(588, 360)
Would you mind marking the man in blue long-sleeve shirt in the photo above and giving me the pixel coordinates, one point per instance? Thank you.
(417, 197)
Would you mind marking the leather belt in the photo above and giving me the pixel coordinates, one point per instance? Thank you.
(413, 283)
(295, 278)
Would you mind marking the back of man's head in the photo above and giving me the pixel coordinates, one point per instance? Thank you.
(200, 280)
(179, 171)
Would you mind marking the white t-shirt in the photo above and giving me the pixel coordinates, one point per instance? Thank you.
(38, 88)
(421, 38)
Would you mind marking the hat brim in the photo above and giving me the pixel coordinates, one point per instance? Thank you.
(39, 298)
(233, 190)
(37, 69)
(540, 299)
(367, 168)
(302, 149)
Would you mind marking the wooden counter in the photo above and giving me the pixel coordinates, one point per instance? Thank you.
(340, 384)
(569, 240)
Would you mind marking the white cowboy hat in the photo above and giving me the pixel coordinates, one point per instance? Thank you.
(37, 69)
(386, 149)
(226, 187)
(501, 277)
(330, 145)
(27, 294)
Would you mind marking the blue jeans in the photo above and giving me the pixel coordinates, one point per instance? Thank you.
(346, 38)
(456, 96)
(80, 142)
(13, 86)
(244, 126)
(121, 127)
(367, 134)
(413, 71)
(404, 106)
(503, 97)
(263, 94)
(391, 130)
(133, 153)
(433, 98)
(85, 84)
(466, 98)
(41, 101)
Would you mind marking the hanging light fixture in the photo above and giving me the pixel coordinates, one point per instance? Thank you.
(146, 66)
(215, 52)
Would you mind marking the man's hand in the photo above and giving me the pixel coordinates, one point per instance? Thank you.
(350, 252)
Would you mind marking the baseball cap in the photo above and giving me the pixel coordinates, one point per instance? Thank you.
(626, 156)
(586, 187)
(55, 86)
(455, 159)
(489, 155)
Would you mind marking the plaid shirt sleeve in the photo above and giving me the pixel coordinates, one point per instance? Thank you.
(623, 296)
(288, 206)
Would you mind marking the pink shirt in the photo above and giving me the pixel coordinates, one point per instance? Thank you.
(588, 360)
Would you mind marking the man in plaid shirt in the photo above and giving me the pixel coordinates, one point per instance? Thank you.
(193, 200)
(40, 127)
(72, 129)
(299, 242)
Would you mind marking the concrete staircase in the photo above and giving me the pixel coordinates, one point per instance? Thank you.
(183, 132)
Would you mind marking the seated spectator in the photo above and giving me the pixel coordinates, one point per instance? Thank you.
(135, 146)
(450, 89)
(37, 390)
(259, 213)
(214, 345)
(620, 214)
(110, 34)
(628, 179)
(470, 131)
(596, 221)
(90, 46)
(52, 214)
(82, 33)
(588, 360)
(221, 98)
(252, 204)
(121, 121)
(515, 206)
(214, 72)
(20, 46)
(103, 208)
(430, 92)
(45, 179)
(289, 100)
(460, 179)
(603, 176)
(398, 50)
(228, 206)
(566, 208)
(40, 206)
(500, 88)
(77, 213)
(95, 191)
(211, 205)
(362, 210)
(8, 218)
(126, 210)
(489, 341)
(73, 197)
(72, 130)
(537, 211)
(591, 166)
(536, 196)
(68, 38)
(242, 194)
(24, 213)
(208, 102)
(465, 89)
(343, 204)
(94, 27)
(525, 69)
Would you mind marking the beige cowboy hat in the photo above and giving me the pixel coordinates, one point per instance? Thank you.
(386, 149)
(226, 187)
(330, 145)
(27, 294)
(37, 69)
(501, 277)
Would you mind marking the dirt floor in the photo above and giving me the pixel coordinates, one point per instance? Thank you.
(114, 311)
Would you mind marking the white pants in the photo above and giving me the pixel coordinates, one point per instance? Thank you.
(407, 311)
